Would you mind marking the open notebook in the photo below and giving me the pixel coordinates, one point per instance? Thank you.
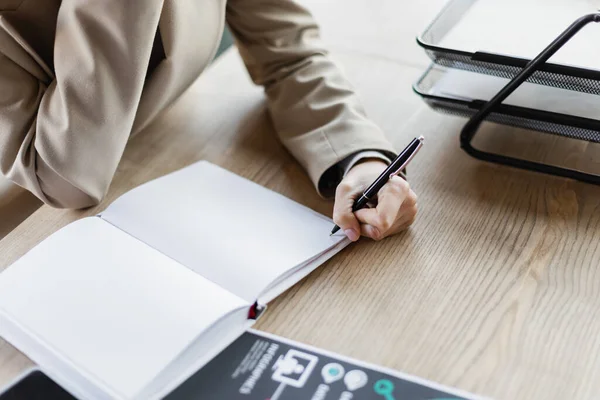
(130, 303)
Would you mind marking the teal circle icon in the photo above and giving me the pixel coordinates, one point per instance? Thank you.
(385, 388)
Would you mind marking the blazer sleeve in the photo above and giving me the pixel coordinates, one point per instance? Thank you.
(314, 109)
(63, 140)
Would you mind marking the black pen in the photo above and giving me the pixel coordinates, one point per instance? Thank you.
(394, 168)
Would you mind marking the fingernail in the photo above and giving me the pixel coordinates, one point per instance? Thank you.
(352, 235)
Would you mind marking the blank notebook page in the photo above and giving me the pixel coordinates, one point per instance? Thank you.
(117, 309)
(523, 28)
(232, 231)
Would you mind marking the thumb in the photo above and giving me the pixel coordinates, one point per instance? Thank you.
(342, 211)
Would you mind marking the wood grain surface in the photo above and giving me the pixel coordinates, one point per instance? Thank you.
(493, 290)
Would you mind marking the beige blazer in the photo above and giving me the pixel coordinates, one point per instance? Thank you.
(78, 78)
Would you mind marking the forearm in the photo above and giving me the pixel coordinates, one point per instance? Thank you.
(321, 121)
(314, 109)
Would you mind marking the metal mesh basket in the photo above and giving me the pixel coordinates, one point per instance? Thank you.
(554, 75)
(544, 121)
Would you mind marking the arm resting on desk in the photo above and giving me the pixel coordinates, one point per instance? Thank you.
(314, 109)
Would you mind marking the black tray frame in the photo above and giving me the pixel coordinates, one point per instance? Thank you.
(471, 127)
(518, 71)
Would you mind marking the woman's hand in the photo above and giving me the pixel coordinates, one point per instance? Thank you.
(395, 210)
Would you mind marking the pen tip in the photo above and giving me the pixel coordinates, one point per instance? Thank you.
(422, 138)
(331, 234)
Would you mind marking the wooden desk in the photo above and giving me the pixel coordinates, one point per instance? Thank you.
(495, 288)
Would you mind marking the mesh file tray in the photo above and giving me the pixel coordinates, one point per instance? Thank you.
(571, 126)
(556, 75)
(473, 24)
(508, 114)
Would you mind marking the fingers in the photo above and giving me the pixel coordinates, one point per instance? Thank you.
(389, 201)
(402, 224)
(342, 211)
(396, 210)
